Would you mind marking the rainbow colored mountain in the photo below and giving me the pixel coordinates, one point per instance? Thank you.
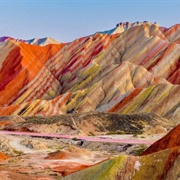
(131, 68)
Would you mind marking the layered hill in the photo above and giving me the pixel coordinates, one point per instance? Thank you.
(132, 68)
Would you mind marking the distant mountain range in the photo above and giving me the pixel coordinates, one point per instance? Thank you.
(131, 68)
(35, 41)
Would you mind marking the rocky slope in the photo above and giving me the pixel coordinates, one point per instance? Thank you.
(142, 58)
(172, 139)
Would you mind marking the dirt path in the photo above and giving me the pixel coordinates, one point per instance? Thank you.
(86, 138)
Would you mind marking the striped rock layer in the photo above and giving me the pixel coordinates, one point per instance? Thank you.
(132, 68)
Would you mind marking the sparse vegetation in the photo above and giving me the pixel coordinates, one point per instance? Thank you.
(139, 150)
(100, 121)
(74, 139)
(17, 152)
(91, 134)
(58, 148)
(135, 135)
(115, 132)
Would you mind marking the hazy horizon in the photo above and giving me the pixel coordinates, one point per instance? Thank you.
(69, 20)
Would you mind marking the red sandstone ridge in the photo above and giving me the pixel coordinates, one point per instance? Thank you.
(171, 140)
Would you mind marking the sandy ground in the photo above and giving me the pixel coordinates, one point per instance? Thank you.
(108, 143)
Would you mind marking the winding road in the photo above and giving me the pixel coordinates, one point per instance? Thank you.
(86, 138)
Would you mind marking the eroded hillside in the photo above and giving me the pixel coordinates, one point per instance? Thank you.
(134, 68)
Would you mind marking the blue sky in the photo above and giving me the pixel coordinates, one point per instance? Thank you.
(66, 20)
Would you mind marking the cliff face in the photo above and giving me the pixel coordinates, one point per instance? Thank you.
(134, 68)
